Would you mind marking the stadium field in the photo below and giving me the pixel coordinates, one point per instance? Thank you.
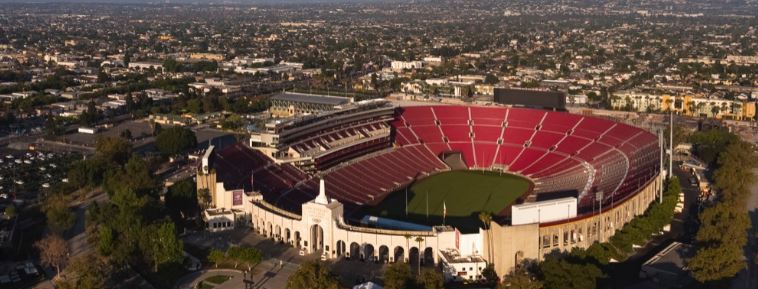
(465, 193)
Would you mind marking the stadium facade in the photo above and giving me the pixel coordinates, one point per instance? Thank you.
(307, 181)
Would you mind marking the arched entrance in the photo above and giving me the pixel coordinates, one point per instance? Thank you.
(297, 239)
(317, 238)
(278, 233)
(341, 248)
(368, 252)
(399, 254)
(384, 254)
(355, 250)
(413, 256)
(428, 257)
(287, 236)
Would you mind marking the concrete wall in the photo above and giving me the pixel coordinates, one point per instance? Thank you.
(321, 229)
(511, 244)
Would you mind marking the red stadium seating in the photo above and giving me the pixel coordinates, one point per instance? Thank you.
(559, 151)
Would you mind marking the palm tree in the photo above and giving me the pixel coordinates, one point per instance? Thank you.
(419, 239)
(691, 107)
(486, 218)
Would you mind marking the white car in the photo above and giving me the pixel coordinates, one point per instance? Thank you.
(3, 196)
(53, 165)
(65, 180)
(45, 185)
(9, 156)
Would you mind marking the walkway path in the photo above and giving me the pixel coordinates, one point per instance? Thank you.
(269, 274)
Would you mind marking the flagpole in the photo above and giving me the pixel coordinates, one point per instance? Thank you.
(427, 205)
(406, 201)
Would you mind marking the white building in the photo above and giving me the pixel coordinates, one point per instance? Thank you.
(403, 65)
(456, 267)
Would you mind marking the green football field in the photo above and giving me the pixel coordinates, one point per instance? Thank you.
(465, 193)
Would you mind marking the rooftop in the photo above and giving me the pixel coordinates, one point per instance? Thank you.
(310, 98)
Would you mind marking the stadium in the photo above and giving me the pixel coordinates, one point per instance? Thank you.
(374, 181)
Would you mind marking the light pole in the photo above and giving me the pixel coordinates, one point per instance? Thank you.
(599, 196)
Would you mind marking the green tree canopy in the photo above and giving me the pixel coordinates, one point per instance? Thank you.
(558, 272)
(161, 245)
(181, 199)
(430, 279)
(520, 279)
(313, 275)
(708, 144)
(175, 140)
(398, 276)
(113, 149)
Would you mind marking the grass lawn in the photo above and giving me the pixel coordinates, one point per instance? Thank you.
(204, 285)
(465, 193)
(218, 279)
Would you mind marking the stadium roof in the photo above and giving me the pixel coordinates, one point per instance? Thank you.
(311, 98)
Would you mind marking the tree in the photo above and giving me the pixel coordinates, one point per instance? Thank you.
(53, 251)
(558, 272)
(161, 245)
(182, 199)
(486, 219)
(397, 276)
(59, 216)
(490, 274)
(724, 225)
(313, 275)
(680, 134)
(87, 172)
(490, 79)
(174, 140)
(91, 115)
(734, 176)
(708, 144)
(245, 256)
(720, 239)
(429, 279)
(134, 176)
(520, 278)
(10, 211)
(130, 104)
(86, 272)
(113, 149)
(105, 240)
(216, 257)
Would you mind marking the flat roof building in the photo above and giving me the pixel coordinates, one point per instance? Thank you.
(288, 104)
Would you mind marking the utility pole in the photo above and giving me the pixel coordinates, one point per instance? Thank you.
(660, 144)
(599, 196)
(671, 143)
